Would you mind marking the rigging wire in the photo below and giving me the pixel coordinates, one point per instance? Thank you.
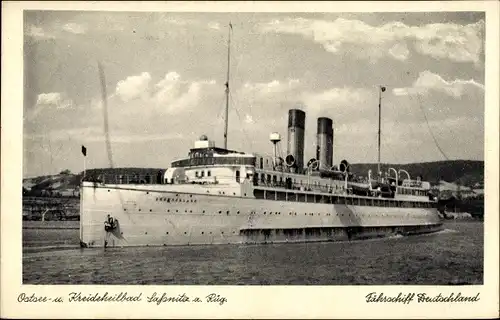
(239, 117)
(220, 115)
(429, 127)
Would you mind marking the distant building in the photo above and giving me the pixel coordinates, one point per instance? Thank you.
(449, 189)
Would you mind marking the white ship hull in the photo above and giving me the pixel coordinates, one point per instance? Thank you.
(160, 215)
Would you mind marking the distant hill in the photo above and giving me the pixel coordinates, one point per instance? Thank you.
(464, 172)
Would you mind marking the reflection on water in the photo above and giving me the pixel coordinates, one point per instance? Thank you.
(452, 256)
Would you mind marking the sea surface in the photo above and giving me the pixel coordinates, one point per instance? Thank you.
(51, 255)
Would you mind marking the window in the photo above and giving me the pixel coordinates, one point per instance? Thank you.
(209, 173)
(237, 175)
(262, 163)
(262, 177)
(202, 174)
(196, 174)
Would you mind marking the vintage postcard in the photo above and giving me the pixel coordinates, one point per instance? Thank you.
(250, 159)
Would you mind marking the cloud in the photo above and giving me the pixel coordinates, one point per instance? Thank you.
(134, 87)
(38, 33)
(48, 98)
(123, 137)
(249, 119)
(399, 51)
(428, 81)
(336, 97)
(461, 43)
(180, 100)
(74, 28)
(214, 25)
(96, 134)
(272, 87)
(171, 94)
(53, 99)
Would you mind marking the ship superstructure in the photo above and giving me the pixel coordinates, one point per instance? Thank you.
(220, 196)
(216, 196)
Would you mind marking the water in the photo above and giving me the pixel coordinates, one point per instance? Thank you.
(453, 256)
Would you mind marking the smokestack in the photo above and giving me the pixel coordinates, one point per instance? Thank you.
(296, 125)
(324, 145)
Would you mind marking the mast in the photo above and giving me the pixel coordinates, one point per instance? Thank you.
(381, 89)
(226, 117)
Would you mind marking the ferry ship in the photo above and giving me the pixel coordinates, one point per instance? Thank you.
(220, 196)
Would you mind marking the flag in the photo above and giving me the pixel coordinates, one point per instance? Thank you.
(84, 151)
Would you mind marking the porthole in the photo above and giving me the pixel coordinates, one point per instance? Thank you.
(145, 233)
(202, 232)
(185, 211)
(190, 211)
(222, 232)
(237, 212)
(166, 232)
(147, 192)
(203, 211)
(190, 195)
(176, 210)
(227, 212)
(156, 199)
(108, 190)
(168, 210)
(139, 209)
(185, 232)
(124, 209)
(150, 210)
(220, 212)
(245, 194)
(234, 193)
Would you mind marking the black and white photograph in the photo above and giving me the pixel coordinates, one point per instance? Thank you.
(254, 149)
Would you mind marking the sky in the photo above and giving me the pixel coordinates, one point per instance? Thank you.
(165, 76)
